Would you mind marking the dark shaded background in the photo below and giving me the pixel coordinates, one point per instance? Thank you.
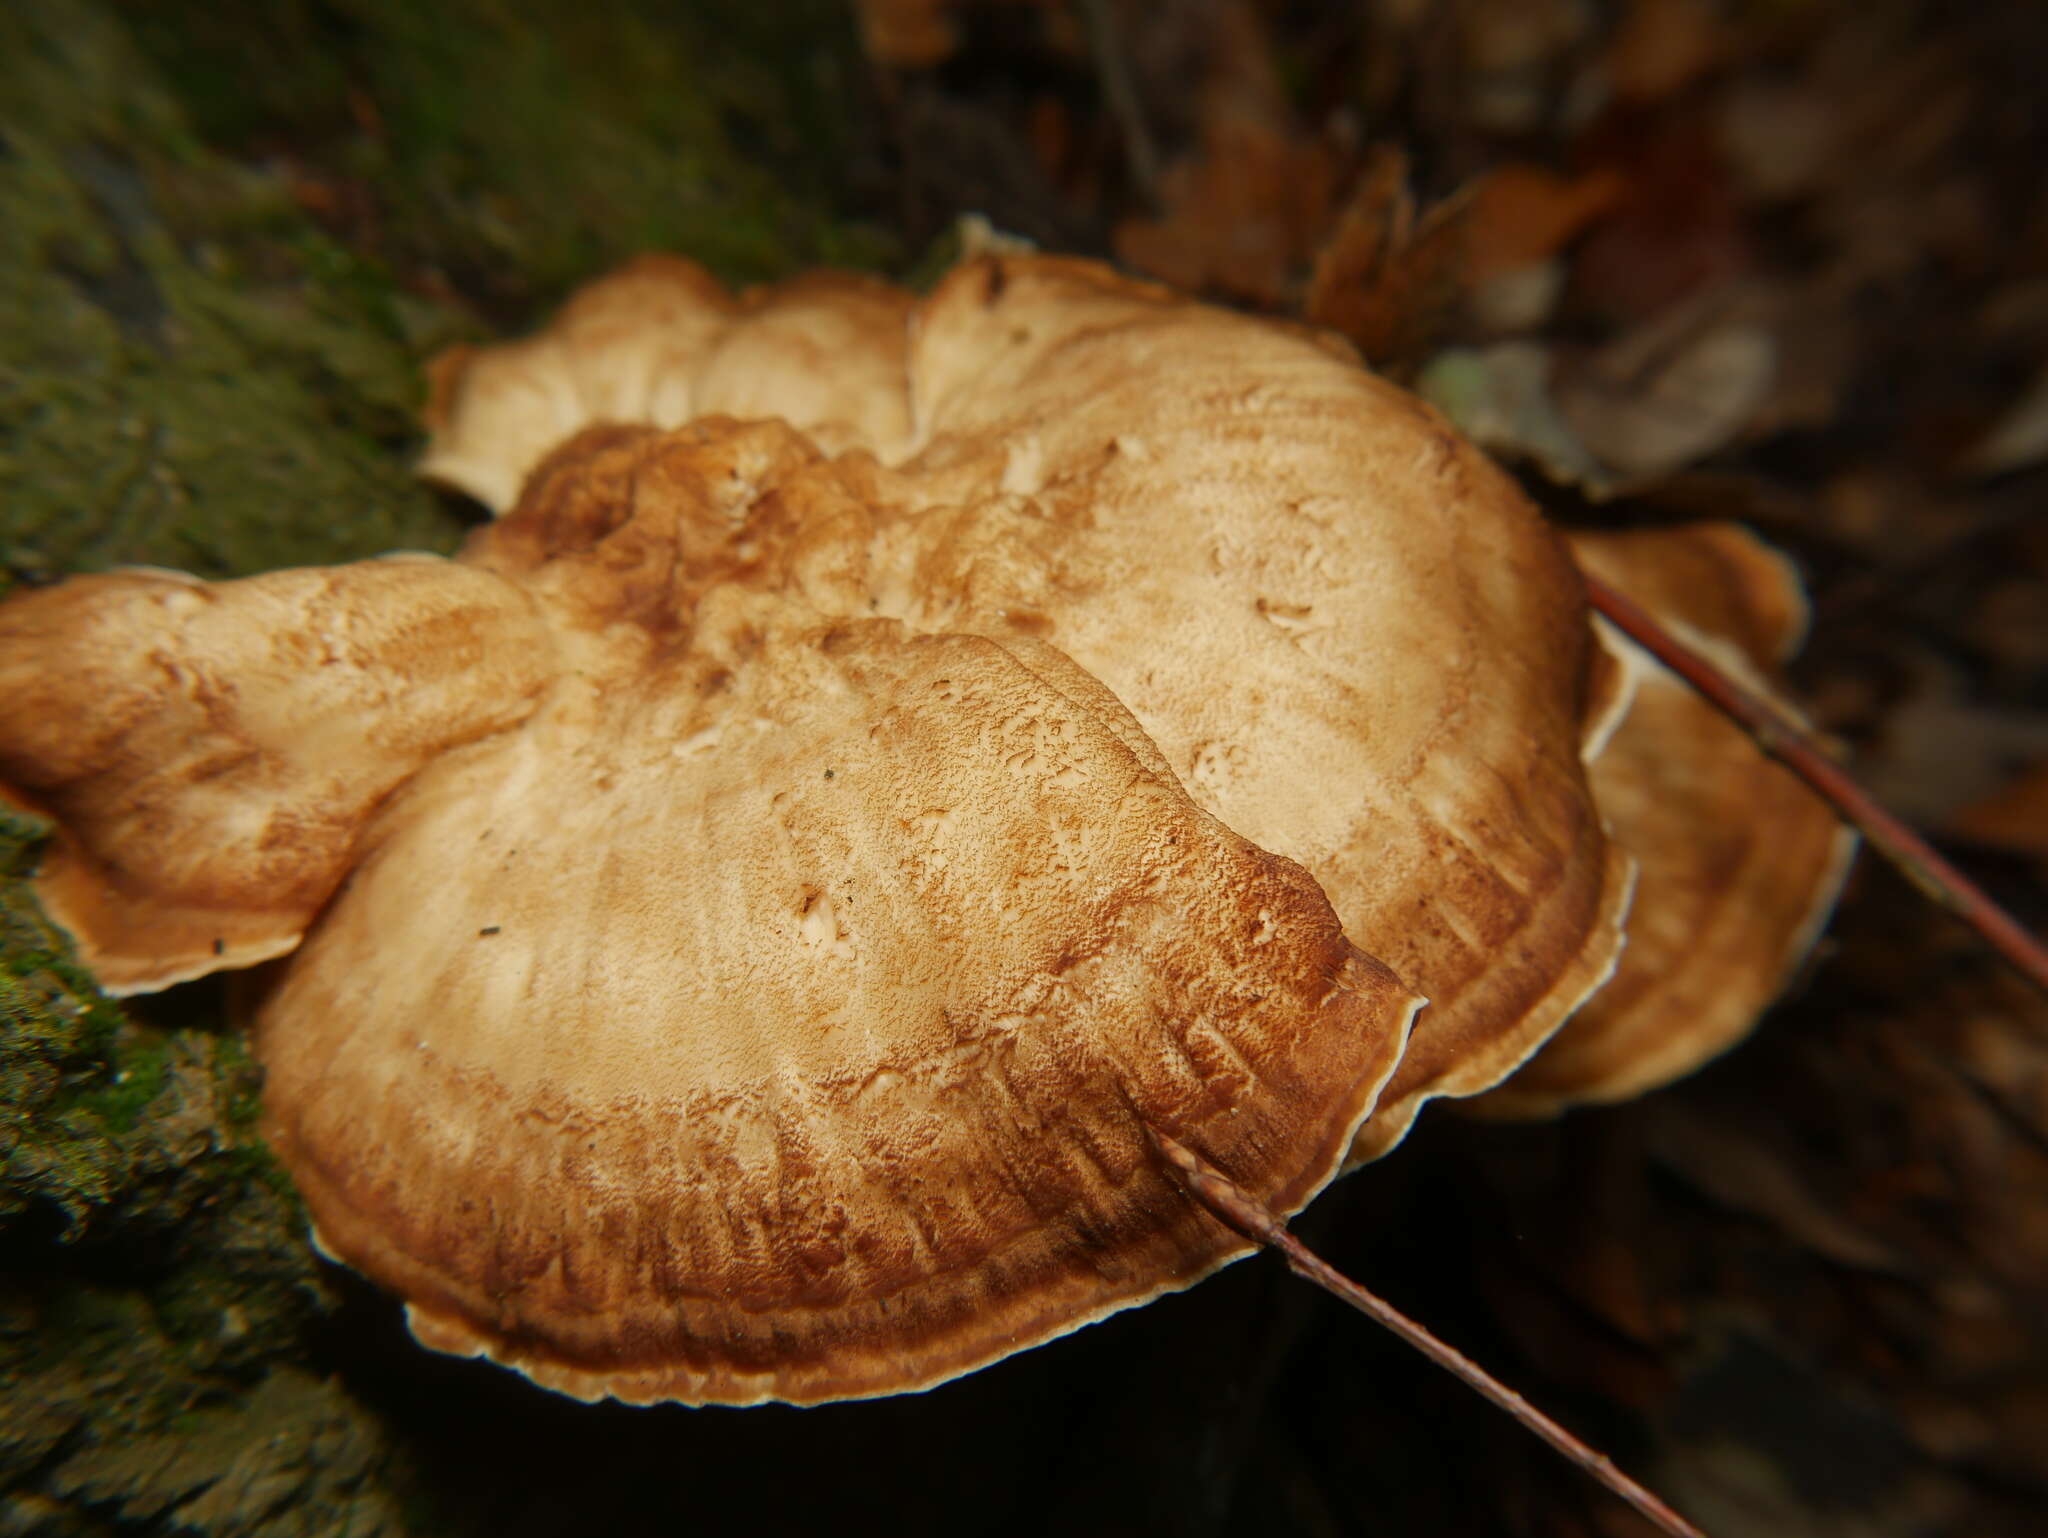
(1803, 1292)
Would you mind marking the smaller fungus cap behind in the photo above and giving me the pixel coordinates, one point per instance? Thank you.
(660, 341)
(1741, 862)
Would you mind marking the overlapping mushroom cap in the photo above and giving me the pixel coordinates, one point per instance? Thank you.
(210, 751)
(1740, 863)
(888, 755)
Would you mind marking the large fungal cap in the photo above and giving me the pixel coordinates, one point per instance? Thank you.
(209, 752)
(767, 997)
(1350, 636)
(792, 996)
(1740, 861)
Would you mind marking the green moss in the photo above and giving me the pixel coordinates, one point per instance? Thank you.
(117, 1100)
(520, 146)
(191, 373)
(58, 1040)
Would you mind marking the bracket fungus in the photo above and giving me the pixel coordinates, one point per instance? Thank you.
(742, 915)
(1739, 864)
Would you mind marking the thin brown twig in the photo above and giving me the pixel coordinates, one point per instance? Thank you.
(1794, 747)
(1240, 1210)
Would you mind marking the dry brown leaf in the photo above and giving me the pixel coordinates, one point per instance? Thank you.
(1522, 214)
(1386, 279)
(1393, 280)
(907, 34)
(1243, 212)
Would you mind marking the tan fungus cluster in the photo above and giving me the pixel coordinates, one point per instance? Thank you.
(744, 912)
